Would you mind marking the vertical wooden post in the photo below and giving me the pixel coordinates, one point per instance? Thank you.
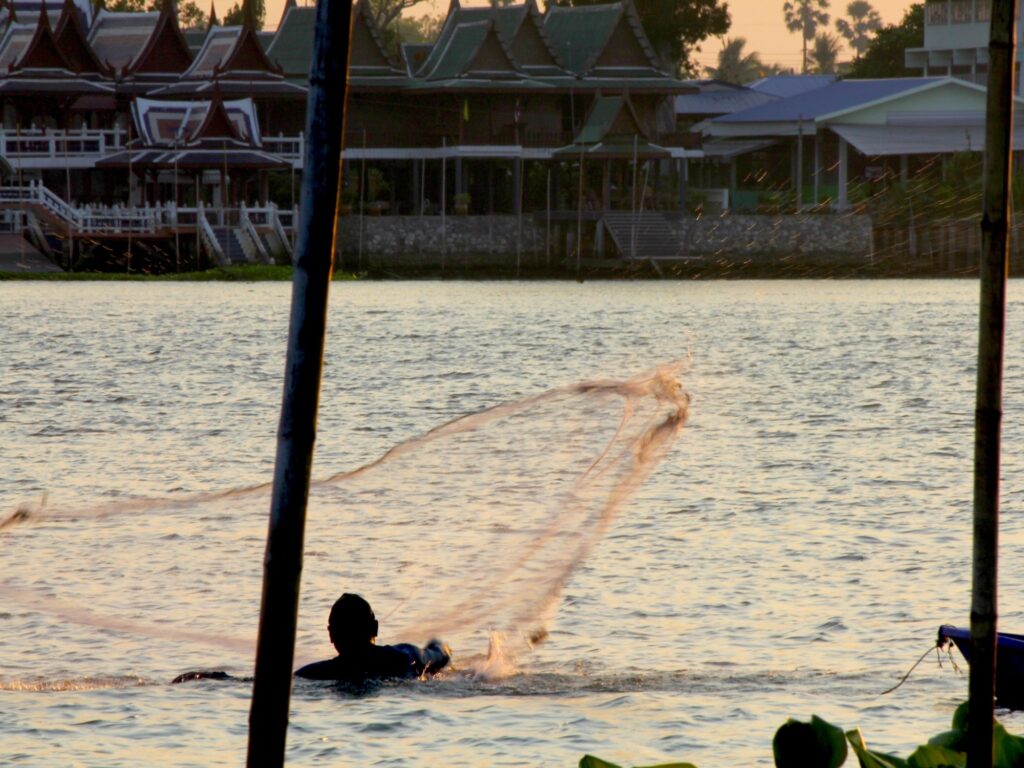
(988, 408)
(296, 435)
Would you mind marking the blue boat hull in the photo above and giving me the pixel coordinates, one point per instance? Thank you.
(1009, 662)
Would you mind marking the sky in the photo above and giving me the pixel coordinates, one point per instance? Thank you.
(760, 22)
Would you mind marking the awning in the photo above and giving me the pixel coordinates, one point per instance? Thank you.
(617, 150)
(878, 140)
(730, 148)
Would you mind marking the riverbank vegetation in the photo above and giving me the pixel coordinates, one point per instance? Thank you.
(819, 744)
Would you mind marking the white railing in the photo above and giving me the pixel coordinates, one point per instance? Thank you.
(53, 148)
(288, 147)
(209, 238)
(278, 227)
(253, 235)
(98, 219)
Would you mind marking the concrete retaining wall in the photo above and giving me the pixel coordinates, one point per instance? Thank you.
(491, 241)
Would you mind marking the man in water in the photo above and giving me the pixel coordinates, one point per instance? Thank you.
(353, 631)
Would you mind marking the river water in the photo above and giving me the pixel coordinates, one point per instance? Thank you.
(792, 553)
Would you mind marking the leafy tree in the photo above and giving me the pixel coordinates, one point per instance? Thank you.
(190, 15)
(424, 29)
(676, 28)
(825, 53)
(864, 22)
(122, 6)
(385, 12)
(804, 16)
(884, 57)
(235, 15)
(735, 66)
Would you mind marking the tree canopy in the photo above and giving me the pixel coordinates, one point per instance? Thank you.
(805, 16)
(676, 28)
(735, 66)
(884, 57)
(863, 24)
(235, 15)
(825, 53)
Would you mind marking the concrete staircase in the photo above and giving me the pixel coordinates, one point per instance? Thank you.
(230, 245)
(656, 239)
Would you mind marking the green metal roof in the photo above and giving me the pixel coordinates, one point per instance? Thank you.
(292, 46)
(579, 34)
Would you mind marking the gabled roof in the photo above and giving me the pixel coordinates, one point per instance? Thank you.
(367, 54)
(166, 50)
(292, 46)
(72, 39)
(118, 37)
(27, 11)
(470, 50)
(230, 50)
(716, 97)
(42, 51)
(523, 27)
(216, 125)
(14, 43)
(414, 55)
(607, 38)
(610, 116)
(785, 86)
(162, 123)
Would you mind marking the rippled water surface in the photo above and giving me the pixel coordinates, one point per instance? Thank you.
(793, 553)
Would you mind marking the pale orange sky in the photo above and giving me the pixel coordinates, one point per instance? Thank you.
(760, 22)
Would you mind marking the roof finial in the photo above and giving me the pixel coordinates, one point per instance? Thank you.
(213, 16)
(248, 15)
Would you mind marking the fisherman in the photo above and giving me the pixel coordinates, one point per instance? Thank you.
(353, 631)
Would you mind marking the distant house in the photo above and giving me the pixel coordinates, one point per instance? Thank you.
(820, 141)
(956, 40)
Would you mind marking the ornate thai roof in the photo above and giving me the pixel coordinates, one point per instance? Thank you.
(72, 39)
(602, 40)
(118, 37)
(292, 46)
(161, 123)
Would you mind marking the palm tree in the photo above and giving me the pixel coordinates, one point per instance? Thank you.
(865, 22)
(825, 53)
(804, 16)
(734, 66)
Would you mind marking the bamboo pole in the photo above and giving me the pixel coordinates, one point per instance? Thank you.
(579, 221)
(296, 435)
(988, 408)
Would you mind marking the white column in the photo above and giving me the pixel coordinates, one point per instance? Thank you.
(843, 174)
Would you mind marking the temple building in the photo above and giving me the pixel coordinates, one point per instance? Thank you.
(120, 130)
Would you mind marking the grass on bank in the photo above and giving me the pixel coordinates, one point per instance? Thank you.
(249, 273)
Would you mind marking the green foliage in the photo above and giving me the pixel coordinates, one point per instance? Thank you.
(805, 16)
(863, 24)
(235, 15)
(884, 57)
(589, 761)
(817, 744)
(825, 53)
(735, 66)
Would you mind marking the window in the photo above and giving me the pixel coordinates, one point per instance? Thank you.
(937, 13)
(961, 11)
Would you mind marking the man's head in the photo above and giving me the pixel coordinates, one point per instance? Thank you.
(352, 622)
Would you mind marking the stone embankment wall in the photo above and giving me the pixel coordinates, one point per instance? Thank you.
(764, 238)
(397, 242)
(420, 241)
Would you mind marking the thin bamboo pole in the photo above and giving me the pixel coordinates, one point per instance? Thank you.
(632, 230)
(296, 435)
(579, 221)
(547, 227)
(989, 404)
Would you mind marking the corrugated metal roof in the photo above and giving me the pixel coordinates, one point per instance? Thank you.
(785, 86)
(716, 98)
(840, 95)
